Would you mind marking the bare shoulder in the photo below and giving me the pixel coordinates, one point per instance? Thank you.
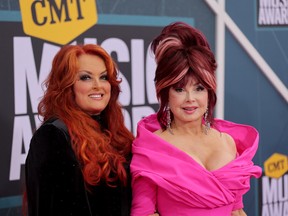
(229, 140)
(226, 142)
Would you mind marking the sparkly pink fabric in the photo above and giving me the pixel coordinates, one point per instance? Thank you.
(168, 180)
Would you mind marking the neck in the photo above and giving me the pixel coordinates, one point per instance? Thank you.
(194, 128)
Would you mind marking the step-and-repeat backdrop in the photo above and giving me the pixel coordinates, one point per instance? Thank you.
(249, 39)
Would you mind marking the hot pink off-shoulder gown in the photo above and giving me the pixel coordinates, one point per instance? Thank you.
(168, 180)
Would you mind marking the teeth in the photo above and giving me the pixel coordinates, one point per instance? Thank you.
(189, 109)
(96, 96)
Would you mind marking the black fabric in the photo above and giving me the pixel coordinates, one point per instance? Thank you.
(55, 184)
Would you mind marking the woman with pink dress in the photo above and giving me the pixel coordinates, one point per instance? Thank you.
(185, 162)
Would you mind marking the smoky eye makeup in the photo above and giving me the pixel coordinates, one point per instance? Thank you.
(83, 76)
(104, 76)
(178, 89)
(200, 87)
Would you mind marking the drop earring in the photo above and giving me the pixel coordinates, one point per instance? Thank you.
(168, 120)
(207, 122)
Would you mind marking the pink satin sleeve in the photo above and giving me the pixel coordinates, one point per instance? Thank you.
(238, 203)
(239, 198)
(144, 197)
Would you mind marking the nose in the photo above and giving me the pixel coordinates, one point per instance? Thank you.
(190, 96)
(96, 83)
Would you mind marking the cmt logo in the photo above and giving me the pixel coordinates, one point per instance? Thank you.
(58, 21)
(276, 165)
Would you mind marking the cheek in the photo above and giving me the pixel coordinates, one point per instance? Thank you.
(176, 98)
(108, 88)
(80, 89)
(79, 93)
(205, 100)
(171, 96)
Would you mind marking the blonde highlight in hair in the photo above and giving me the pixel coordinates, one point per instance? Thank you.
(181, 50)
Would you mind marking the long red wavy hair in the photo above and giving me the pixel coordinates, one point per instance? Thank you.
(102, 154)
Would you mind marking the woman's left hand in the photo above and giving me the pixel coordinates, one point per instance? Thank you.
(239, 212)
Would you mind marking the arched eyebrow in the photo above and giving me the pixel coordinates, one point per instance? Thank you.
(198, 83)
(89, 72)
(104, 72)
(85, 71)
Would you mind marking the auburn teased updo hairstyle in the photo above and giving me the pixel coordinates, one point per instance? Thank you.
(102, 154)
(181, 50)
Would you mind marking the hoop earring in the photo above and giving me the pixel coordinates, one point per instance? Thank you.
(168, 120)
(207, 122)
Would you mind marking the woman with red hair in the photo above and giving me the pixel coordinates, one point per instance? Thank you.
(78, 161)
(184, 161)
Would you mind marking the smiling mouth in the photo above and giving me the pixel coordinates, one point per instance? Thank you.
(189, 108)
(96, 96)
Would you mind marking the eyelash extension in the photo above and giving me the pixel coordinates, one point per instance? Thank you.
(200, 87)
(104, 76)
(84, 77)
